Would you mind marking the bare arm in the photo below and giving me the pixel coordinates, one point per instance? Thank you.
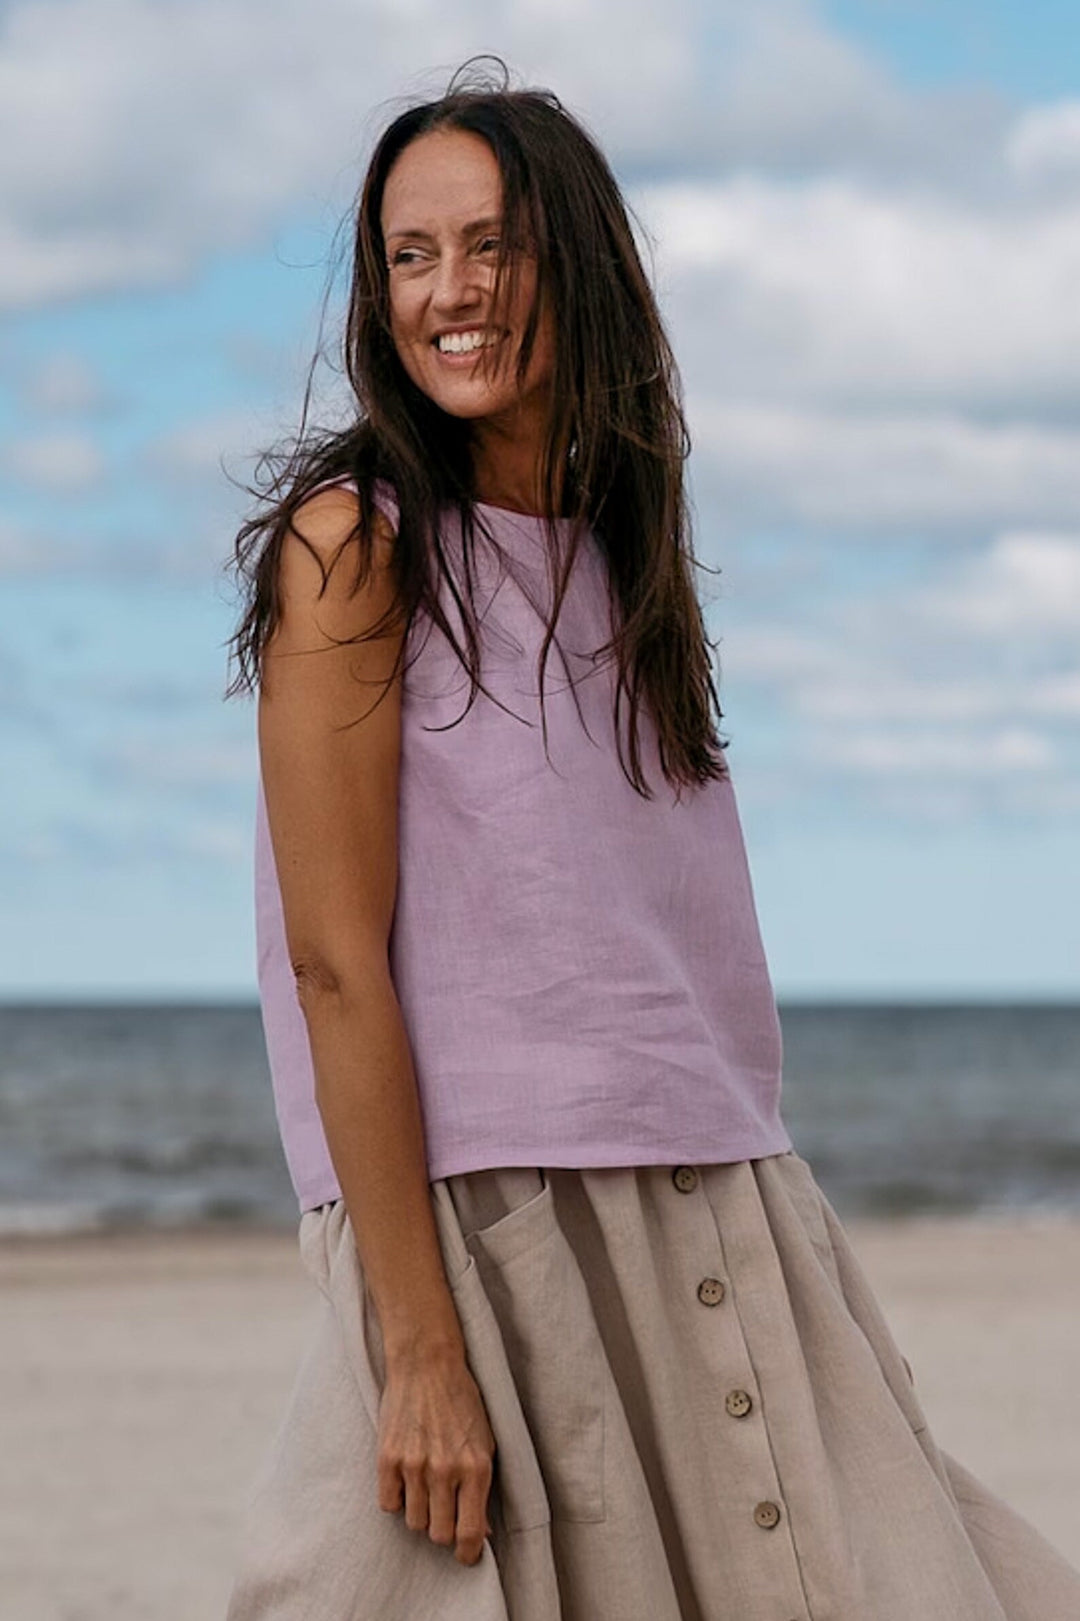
(331, 799)
(332, 807)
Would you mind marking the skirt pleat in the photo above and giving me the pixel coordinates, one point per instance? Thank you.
(699, 1410)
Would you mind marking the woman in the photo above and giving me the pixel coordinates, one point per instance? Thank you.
(594, 1344)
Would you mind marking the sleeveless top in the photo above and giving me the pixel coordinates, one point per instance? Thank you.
(579, 969)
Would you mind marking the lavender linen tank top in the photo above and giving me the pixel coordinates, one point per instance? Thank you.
(580, 970)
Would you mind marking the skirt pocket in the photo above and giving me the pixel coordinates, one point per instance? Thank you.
(530, 1276)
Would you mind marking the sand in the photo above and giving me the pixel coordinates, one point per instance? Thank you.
(142, 1377)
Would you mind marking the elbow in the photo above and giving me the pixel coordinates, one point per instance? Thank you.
(321, 982)
(315, 979)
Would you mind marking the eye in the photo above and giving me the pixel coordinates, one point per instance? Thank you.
(484, 240)
(404, 256)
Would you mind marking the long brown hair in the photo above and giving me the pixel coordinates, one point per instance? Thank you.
(615, 447)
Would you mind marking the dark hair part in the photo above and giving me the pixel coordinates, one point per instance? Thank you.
(615, 448)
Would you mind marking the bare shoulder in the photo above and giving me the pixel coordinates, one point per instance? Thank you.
(326, 519)
(329, 520)
(333, 580)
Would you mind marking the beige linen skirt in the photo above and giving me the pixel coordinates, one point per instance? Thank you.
(700, 1414)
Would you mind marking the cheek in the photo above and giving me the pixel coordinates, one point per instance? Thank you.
(403, 320)
(408, 348)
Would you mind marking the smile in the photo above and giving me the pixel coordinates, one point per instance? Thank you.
(462, 345)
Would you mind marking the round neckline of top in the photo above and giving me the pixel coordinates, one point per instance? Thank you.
(514, 512)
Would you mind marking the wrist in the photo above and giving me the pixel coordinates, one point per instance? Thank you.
(438, 1338)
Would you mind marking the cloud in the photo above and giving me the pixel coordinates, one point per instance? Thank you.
(777, 88)
(28, 550)
(17, 551)
(1043, 144)
(64, 382)
(953, 753)
(1016, 598)
(856, 472)
(831, 290)
(204, 448)
(1026, 586)
(125, 843)
(194, 767)
(137, 138)
(871, 291)
(60, 463)
(858, 357)
(968, 680)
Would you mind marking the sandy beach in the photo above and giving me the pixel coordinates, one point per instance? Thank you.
(143, 1376)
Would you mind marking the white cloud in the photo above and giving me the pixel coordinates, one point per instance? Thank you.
(863, 471)
(18, 553)
(779, 87)
(832, 290)
(204, 448)
(135, 138)
(188, 766)
(957, 695)
(63, 382)
(1044, 142)
(1027, 585)
(62, 463)
(978, 754)
(27, 550)
(1015, 601)
(871, 292)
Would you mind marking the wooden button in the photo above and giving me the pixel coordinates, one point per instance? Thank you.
(738, 1403)
(685, 1178)
(710, 1291)
(767, 1514)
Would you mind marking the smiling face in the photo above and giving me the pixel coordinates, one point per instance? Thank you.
(441, 221)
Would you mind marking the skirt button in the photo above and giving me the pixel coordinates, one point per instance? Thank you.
(767, 1514)
(738, 1403)
(710, 1291)
(685, 1178)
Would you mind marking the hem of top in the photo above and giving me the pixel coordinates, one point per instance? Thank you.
(572, 1158)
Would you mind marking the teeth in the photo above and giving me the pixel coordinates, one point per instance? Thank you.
(461, 343)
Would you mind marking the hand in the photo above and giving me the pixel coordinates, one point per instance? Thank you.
(436, 1451)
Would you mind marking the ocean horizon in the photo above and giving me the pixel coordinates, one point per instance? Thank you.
(160, 1115)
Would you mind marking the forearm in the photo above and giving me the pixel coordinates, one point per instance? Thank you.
(367, 1099)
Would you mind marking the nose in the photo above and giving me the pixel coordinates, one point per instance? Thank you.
(459, 282)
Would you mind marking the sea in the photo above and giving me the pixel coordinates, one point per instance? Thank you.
(123, 1117)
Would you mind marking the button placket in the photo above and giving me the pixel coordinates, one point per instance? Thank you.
(734, 1364)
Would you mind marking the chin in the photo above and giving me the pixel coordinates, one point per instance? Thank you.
(470, 402)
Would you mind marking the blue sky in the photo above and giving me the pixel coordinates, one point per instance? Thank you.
(864, 222)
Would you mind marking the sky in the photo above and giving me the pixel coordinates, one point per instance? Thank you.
(863, 224)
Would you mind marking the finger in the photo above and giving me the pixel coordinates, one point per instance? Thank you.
(391, 1487)
(416, 1495)
(473, 1524)
(442, 1503)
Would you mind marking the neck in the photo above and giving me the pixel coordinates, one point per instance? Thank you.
(506, 462)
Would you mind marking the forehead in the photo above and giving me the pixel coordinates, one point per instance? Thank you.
(443, 180)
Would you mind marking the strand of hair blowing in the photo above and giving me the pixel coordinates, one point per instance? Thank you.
(614, 453)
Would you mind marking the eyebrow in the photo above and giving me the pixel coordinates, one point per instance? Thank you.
(466, 230)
